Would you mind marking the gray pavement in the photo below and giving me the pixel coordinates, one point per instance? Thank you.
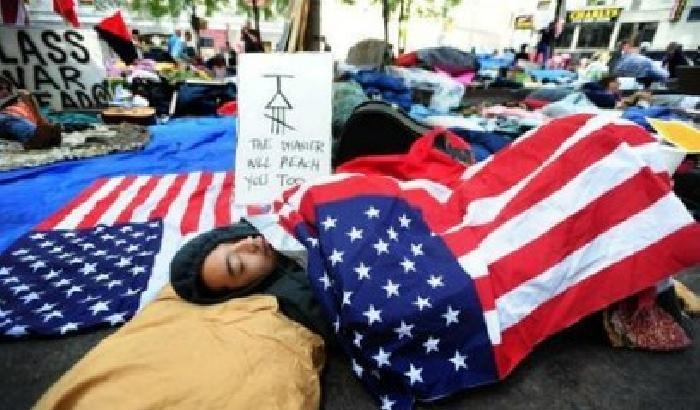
(575, 370)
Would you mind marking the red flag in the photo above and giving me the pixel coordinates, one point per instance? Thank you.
(113, 31)
(66, 8)
(115, 25)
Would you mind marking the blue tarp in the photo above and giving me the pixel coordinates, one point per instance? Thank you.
(639, 115)
(553, 75)
(483, 144)
(29, 195)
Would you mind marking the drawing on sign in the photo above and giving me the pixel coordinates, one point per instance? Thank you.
(278, 106)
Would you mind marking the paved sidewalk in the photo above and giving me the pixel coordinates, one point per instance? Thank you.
(574, 370)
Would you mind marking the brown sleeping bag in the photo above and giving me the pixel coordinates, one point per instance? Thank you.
(242, 354)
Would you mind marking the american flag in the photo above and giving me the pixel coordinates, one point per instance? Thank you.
(435, 288)
(104, 255)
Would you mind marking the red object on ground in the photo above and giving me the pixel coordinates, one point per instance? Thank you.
(534, 104)
(66, 8)
(229, 108)
(407, 60)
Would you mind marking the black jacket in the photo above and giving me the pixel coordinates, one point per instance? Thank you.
(289, 283)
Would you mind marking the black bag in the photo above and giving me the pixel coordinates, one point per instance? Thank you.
(687, 186)
(202, 99)
(376, 128)
(158, 93)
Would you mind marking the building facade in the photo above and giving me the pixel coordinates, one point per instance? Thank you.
(593, 25)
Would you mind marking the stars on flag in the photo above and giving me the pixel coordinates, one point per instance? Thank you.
(346, 298)
(358, 340)
(459, 361)
(392, 234)
(451, 316)
(417, 249)
(58, 282)
(414, 374)
(88, 268)
(435, 281)
(329, 222)
(101, 306)
(421, 303)
(69, 327)
(357, 368)
(326, 280)
(362, 271)
(382, 284)
(355, 234)
(116, 318)
(381, 247)
(408, 265)
(382, 358)
(373, 315)
(431, 345)
(386, 403)
(404, 330)
(391, 288)
(372, 212)
(336, 257)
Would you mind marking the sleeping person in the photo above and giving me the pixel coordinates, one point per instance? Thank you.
(21, 119)
(236, 261)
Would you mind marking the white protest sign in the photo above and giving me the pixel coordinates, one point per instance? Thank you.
(284, 123)
(61, 67)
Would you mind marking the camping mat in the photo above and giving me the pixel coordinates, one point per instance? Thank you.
(91, 142)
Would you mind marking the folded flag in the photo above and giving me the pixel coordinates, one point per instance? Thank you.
(115, 33)
(100, 258)
(434, 288)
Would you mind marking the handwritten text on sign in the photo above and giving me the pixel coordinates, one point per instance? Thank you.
(62, 68)
(284, 134)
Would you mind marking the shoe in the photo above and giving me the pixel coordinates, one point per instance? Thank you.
(45, 136)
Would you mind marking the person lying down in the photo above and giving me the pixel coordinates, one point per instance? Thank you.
(434, 278)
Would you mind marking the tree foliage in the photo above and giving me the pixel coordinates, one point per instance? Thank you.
(272, 9)
(403, 9)
(174, 8)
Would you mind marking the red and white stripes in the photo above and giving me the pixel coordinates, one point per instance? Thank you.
(572, 217)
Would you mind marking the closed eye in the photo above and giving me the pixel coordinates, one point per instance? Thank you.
(234, 265)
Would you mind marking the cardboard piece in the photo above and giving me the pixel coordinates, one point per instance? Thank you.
(284, 130)
(61, 67)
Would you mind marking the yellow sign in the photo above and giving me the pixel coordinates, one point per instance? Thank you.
(524, 22)
(679, 134)
(594, 15)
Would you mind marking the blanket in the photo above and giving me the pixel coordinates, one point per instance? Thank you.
(91, 142)
(438, 279)
(242, 354)
(87, 243)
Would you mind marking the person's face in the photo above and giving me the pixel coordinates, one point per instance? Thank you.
(236, 265)
(614, 86)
